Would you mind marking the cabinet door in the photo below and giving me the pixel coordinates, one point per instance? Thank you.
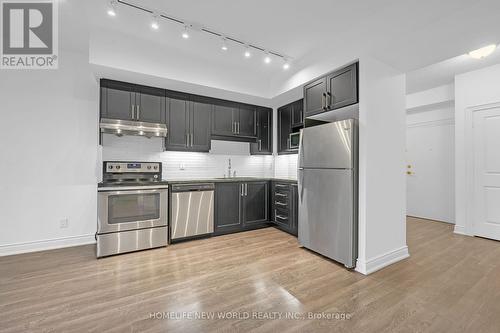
(223, 119)
(284, 128)
(256, 203)
(150, 104)
(314, 97)
(178, 123)
(200, 118)
(117, 100)
(342, 87)
(297, 113)
(227, 207)
(247, 121)
(264, 143)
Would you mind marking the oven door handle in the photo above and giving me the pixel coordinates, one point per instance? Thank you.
(127, 191)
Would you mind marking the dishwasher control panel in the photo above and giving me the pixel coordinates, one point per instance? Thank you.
(192, 187)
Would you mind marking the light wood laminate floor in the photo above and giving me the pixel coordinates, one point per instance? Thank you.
(451, 283)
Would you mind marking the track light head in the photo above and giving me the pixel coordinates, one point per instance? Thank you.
(112, 8)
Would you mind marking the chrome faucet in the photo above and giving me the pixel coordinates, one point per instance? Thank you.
(229, 168)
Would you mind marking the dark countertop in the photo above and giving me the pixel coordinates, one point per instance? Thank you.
(206, 180)
(226, 180)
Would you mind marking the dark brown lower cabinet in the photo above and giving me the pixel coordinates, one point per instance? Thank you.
(241, 206)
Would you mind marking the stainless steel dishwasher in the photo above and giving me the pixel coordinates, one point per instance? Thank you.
(191, 211)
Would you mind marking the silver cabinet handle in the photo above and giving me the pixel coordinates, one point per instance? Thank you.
(242, 193)
(260, 145)
(133, 111)
(192, 139)
(246, 189)
(237, 128)
(288, 144)
(138, 112)
(280, 203)
(280, 185)
(323, 103)
(187, 139)
(281, 195)
(282, 217)
(233, 127)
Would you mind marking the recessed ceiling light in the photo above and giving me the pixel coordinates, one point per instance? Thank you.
(155, 25)
(185, 33)
(483, 52)
(112, 8)
(247, 52)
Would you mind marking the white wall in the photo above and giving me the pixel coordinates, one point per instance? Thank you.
(472, 89)
(195, 165)
(430, 151)
(382, 190)
(49, 147)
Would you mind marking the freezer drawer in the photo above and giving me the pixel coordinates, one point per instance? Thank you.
(327, 219)
(191, 214)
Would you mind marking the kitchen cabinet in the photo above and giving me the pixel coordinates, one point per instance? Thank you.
(233, 120)
(255, 202)
(132, 102)
(333, 91)
(241, 206)
(264, 144)
(289, 117)
(227, 207)
(342, 87)
(188, 122)
(284, 206)
(298, 114)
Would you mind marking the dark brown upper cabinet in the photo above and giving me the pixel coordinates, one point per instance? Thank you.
(289, 125)
(234, 121)
(188, 121)
(333, 91)
(132, 102)
(264, 144)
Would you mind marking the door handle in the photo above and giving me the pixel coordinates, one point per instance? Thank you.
(133, 111)
(246, 189)
(138, 112)
(260, 145)
(242, 193)
(191, 139)
(323, 103)
(328, 99)
(233, 127)
(187, 139)
(238, 130)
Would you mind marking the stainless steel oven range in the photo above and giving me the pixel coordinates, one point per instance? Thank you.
(132, 208)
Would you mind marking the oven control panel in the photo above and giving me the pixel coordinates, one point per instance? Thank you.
(128, 167)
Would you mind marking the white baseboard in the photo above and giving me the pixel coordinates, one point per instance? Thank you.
(384, 260)
(48, 244)
(459, 229)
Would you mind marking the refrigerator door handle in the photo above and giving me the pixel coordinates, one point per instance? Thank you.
(301, 150)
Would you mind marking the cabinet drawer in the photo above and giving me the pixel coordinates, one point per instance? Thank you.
(281, 216)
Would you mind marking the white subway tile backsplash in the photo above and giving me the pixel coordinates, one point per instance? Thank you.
(181, 165)
(285, 166)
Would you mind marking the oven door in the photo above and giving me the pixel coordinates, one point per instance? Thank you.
(131, 209)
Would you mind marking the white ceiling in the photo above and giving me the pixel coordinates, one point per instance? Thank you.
(406, 34)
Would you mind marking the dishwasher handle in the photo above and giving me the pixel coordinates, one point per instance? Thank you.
(192, 187)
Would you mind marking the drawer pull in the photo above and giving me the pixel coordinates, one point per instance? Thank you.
(281, 217)
(280, 203)
(282, 195)
(281, 185)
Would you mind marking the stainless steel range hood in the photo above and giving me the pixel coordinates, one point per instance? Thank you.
(125, 127)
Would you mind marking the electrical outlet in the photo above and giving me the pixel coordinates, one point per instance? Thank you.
(64, 223)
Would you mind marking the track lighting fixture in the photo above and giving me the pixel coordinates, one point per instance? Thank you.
(249, 49)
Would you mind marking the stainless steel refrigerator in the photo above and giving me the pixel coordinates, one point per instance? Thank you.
(327, 184)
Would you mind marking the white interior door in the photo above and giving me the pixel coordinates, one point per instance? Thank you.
(487, 173)
(430, 171)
